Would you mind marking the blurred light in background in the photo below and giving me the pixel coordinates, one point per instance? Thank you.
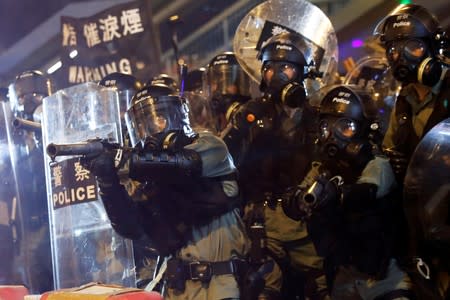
(357, 43)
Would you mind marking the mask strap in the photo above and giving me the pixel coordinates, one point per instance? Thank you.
(422, 69)
(437, 87)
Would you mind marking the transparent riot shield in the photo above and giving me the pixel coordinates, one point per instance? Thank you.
(8, 205)
(273, 17)
(29, 213)
(427, 193)
(374, 74)
(85, 248)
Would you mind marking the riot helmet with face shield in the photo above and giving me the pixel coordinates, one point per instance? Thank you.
(164, 79)
(156, 115)
(413, 40)
(28, 91)
(287, 59)
(200, 113)
(227, 86)
(195, 80)
(349, 126)
(126, 86)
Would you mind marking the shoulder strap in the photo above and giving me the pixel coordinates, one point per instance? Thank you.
(405, 138)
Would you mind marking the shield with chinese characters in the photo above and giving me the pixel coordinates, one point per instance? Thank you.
(85, 247)
(273, 17)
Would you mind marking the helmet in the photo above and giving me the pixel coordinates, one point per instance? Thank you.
(227, 86)
(152, 113)
(413, 39)
(407, 21)
(125, 84)
(166, 80)
(200, 113)
(28, 90)
(194, 80)
(226, 77)
(348, 123)
(286, 59)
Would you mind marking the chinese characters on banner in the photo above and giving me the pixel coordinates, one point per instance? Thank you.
(72, 184)
(119, 39)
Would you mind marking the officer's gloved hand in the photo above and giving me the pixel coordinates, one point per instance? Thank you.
(399, 162)
(321, 198)
(330, 195)
(171, 141)
(102, 166)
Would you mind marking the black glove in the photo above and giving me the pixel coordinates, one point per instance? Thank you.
(330, 195)
(171, 141)
(399, 162)
(320, 198)
(102, 166)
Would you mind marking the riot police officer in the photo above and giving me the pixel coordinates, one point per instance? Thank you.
(28, 91)
(191, 197)
(347, 208)
(166, 80)
(275, 152)
(200, 113)
(228, 87)
(415, 48)
(145, 256)
(125, 84)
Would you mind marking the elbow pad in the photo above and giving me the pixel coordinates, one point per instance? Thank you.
(148, 166)
(120, 210)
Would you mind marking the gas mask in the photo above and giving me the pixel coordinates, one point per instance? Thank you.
(411, 61)
(341, 139)
(284, 82)
(32, 106)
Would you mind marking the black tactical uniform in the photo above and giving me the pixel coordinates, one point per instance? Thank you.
(348, 209)
(190, 198)
(272, 136)
(415, 48)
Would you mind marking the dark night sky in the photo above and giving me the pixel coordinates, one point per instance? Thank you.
(19, 17)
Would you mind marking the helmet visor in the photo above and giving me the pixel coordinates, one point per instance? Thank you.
(228, 80)
(150, 116)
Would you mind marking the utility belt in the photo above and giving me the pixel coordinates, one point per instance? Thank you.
(179, 271)
(268, 199)
(272, 200)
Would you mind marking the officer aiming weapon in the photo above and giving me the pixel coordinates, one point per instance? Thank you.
(317, 195)
(19, 123)
(91, 148)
